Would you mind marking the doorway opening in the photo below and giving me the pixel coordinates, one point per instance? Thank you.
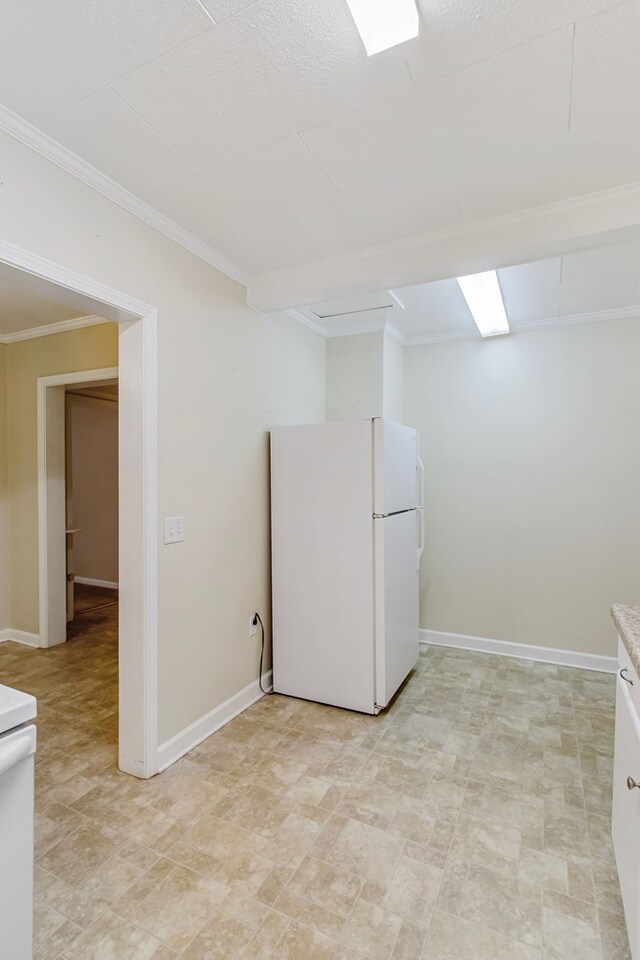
(137, 472)
(92, 510)
(92, 507)
(78, 515)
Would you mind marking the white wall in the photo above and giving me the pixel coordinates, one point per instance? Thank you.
(532, 450)
(365, 377)
(393, 379)
(92, 482)
(4, 495)
(214, 409)
(296, 372)
(355, 376)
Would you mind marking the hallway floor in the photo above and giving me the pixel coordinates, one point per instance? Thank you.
(88, 598)
(469, 822)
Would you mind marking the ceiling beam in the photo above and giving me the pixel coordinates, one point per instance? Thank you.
(609, 216)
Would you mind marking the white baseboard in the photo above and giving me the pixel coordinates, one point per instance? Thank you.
(524, 651)
(20, 636)
(89, 581)
(176, 747)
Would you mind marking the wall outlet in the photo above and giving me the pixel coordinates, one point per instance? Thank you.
(253, 627)
(173, 529)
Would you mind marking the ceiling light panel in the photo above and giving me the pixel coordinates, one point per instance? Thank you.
(484, 299)
(384, 23)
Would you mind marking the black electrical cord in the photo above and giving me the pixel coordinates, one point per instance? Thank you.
(258, 619)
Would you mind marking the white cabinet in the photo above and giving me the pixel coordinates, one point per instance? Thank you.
(17, 749)
(629, 671)
(625, 827)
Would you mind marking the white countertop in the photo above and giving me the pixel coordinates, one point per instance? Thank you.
(626, 617)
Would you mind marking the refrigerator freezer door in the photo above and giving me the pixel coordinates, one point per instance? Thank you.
(395, 467)
(322, 549)
(396, 581)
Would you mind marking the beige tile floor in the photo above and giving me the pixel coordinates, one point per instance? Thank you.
(469, 822)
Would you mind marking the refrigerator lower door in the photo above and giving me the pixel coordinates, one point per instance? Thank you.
(396, 600)
(322, 548)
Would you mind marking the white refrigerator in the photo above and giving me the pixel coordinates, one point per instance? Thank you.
(347, 537)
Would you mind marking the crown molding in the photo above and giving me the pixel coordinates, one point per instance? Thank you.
(429, 338)
(329, 330)
(351, 330)
(348, 329)
(596, 316)
(333, 327)
(23, 131)
(396, 334)
(63, 326)
(535, 233)
(316, 326)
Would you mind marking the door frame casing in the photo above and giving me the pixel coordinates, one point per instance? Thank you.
(138, 480)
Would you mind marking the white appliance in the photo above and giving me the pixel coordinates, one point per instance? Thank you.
(17, 756)
(625, 815)
(346, 515)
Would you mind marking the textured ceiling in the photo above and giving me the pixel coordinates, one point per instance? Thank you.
(264, 130)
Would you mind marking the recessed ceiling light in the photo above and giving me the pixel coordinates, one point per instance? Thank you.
(384, 23)
(484, 299)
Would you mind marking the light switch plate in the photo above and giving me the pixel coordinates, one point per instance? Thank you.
(173, 529)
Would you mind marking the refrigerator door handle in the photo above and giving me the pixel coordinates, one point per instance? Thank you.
(421, 472)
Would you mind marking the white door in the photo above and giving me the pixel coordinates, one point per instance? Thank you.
(395, 467)
(625, 822)
(396, 602)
